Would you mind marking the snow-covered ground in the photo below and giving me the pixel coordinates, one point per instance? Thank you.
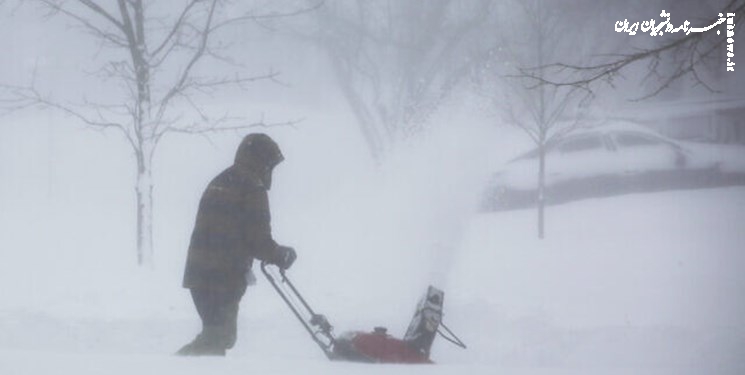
(636, 284)
(643, 284)
(633, 284)
(648, 280)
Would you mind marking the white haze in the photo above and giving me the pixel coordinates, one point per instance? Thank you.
(637, 284)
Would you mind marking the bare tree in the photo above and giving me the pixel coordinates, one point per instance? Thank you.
(533, 34)
(670, 60)
(395, 60)
(154, 57)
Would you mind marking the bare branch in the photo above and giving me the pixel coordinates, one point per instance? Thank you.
(219, 127)
(175, 28)
(267, 16)
(531, 131)
(224, 124)
(102, 12)
(56, 7)
(29, 97)
(178, 86)
(686, 46)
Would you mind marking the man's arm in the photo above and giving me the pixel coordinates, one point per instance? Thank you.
(258, 230)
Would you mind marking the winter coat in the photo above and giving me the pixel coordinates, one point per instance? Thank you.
(232, 229)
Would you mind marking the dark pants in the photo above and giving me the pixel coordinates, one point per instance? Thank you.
(218, 310)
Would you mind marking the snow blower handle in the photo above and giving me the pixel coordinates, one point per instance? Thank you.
(450, 336)
(323, 336)
(318, 320)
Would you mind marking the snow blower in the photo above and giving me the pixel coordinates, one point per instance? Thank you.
(370, 347)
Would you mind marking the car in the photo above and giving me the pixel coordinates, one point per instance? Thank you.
(618, 158)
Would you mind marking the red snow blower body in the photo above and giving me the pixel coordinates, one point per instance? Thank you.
(371, 347)
(376, 346)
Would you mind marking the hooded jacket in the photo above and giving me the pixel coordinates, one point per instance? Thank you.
(232, 227)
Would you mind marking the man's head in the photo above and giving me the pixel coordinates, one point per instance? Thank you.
(260, 154)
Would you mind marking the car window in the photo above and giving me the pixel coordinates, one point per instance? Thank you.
(581, 143)
(635, 140)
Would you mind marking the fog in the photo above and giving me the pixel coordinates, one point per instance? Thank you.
(411, 133)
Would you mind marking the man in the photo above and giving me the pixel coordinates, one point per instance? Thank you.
(231, 230)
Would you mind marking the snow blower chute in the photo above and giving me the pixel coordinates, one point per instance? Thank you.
(371, 347)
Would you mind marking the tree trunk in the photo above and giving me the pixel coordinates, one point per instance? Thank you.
(543, 130)
(144, 190)
(541, 189)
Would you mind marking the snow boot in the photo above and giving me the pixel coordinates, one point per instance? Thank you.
(210, 342)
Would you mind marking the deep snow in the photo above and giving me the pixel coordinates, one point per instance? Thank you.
(646, 283)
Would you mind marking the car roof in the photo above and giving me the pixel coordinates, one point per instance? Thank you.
(605, 128)
(618, 126)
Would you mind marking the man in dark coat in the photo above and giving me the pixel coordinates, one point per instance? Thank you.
(231, 230)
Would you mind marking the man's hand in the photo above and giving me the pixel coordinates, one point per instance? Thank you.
(286, 256)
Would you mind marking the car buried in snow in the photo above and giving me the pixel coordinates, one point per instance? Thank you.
(615, 159)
